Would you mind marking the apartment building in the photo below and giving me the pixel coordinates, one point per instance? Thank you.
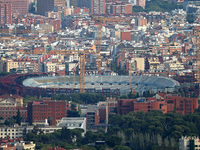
(167, 104)
(189, 143)
(52, 110)
(9, 106)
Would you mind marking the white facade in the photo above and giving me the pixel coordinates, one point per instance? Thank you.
(185, 143)
(73, 123)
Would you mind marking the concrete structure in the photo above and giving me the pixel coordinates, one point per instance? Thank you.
(189, 143)
(73, 123)
(109, 83)
(92, 116)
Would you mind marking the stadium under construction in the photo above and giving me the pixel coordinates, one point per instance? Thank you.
(43, 84)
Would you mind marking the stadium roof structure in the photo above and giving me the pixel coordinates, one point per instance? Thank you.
(139, 83)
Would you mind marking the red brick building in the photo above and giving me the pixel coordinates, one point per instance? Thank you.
(126, 36)
(125, 106)
(128, 8)
(162, 102)
(182, 105)
(54, 111)
(20, 6)
(5, 13)
(103, 112)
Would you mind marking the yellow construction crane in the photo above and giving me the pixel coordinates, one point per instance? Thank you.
(99, 21)
(82, 67)
(82, 64)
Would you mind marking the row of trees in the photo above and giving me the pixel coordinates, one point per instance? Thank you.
(156, 5)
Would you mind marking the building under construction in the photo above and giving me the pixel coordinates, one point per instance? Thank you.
(44, 84)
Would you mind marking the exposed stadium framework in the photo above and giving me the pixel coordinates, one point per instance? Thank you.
(45, 84)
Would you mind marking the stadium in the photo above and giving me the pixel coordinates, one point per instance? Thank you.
(118, 85)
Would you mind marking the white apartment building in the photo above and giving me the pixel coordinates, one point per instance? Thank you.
(189, 143)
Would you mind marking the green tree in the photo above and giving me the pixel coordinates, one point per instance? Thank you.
(137, 9)
(73, 113)
(113, 141)
(190, 17)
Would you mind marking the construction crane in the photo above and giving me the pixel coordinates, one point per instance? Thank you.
(82, 67)
(99, 21)
(81, 62)
(74, 75)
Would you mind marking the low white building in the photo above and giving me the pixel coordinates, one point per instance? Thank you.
(73, 123)
(25, 145)
(189, 143)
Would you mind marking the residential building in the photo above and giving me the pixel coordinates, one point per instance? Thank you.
(98, 6)
(141, 104)
(9, 108)
(103, 112)
(140, 61)
(24, 145)
(7, 147)
(16, 98)
(125, 106)
(141, 3)
(74, 3)
(182, 105)
(140, 21)
(112, 104)
(59, 3)
(92, 116)
(5, 13)
(126, 35)
(52, 110)
(189, 143)
(21, 131)
(19, 6)
(26, 66)
(12, 132)
(7, 65)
